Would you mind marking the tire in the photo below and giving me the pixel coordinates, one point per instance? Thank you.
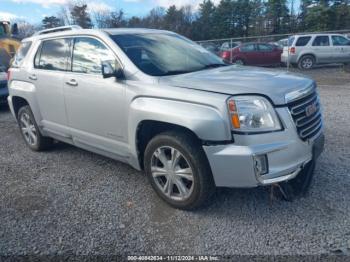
(199, 184)
(306, 62)
(30, 131)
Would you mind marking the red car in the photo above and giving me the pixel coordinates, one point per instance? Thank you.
(260, 54)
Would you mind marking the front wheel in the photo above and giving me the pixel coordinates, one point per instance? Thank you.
(178, 170)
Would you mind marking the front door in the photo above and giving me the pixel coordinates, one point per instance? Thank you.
(95, 106)
(341, 46)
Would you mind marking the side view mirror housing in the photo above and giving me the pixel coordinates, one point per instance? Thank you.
(108, 71)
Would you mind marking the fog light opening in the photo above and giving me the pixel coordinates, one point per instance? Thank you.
(261, 165)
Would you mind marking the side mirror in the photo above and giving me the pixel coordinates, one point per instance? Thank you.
(107, 70)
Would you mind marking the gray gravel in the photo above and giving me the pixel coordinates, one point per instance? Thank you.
(68, 200)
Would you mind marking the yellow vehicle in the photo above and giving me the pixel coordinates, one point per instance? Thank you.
(8, 44)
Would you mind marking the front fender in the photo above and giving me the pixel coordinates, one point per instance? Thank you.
(206, 121)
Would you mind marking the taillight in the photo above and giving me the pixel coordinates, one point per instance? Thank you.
(226, 55)
(8, 75)
(292, 50)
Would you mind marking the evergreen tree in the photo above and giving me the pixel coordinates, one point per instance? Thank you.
(51, 22)
(80, 16)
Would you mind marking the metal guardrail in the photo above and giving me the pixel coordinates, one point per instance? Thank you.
(217, 44)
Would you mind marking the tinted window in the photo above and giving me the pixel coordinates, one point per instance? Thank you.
(88, 55)
(321, 41)
(265, 47)
(21, 53)
(340, 40)
(248, 48)
(54, 55)
(303, 41)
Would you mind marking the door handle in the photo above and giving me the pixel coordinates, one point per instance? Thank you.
(32, 77)
(72, 82)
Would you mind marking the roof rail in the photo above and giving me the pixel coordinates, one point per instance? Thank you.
(58, 29)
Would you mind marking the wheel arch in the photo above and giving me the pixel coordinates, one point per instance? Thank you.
(148, 129)
(307, 54)
(150, 116)
(17, 103)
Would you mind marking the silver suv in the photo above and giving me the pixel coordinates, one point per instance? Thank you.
(165, 105)
(305, 51)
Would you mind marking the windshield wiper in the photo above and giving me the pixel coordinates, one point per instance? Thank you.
(210, 66)
(214, 66)
(176, 72)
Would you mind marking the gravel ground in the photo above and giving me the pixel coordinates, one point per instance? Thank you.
(69, 201)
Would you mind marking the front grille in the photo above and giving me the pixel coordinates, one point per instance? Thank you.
(306, 113)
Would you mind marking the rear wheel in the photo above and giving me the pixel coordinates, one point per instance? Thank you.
(30, 131)
(178, 170)
(306, 62)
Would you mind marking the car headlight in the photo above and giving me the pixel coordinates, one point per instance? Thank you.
(252, 114)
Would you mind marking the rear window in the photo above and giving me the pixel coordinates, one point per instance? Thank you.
(303, 41)
(265, 47)
(248, 48)
(21, 54)
(290, 40)
(53, 55)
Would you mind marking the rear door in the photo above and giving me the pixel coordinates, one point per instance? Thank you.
(268, 54)
(50, 66)
(322, 48)
(95, 105)
(250, 54)
(341, 46)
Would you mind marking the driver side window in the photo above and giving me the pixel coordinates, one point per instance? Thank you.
(88, 55)
(339, 40)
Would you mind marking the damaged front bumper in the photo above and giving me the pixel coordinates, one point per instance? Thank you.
(235, 165)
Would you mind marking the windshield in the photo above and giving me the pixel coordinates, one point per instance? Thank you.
(166, 54)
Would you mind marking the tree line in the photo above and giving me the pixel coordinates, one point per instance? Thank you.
(229, 18)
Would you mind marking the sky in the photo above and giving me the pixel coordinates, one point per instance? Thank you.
(34, 10)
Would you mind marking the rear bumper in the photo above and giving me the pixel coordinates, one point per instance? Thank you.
(233, 165)
(293, 59)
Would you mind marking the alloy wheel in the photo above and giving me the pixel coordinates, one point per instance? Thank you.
(307, 63)
(172, 173)
(28, 129)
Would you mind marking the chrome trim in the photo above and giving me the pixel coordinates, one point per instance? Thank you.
(280, 178)
(318, 125)
(304, 103)
(318, 114)
(296, 95)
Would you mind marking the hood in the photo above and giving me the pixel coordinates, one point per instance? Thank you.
(233, 80)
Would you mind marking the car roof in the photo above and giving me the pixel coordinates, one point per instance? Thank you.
(120, 31)
(314, 34)
(96, 32)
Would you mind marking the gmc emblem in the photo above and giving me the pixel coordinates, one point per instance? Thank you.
(311, 109)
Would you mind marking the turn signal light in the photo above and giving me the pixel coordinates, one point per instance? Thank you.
(234, 114)
(292, 50)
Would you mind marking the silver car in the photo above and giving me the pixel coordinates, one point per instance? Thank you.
(165, 105)
(306, 51)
